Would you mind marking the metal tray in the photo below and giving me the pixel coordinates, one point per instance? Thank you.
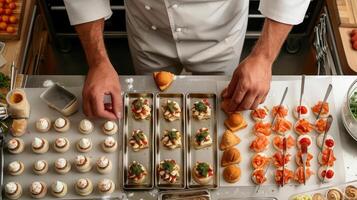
(209, 154)
(185, 195)
(162, 152)
(144, 156)
(40, 109)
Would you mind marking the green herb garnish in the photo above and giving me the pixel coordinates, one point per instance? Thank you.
(201, 136)
(200, 106)
(136, 169)
(139, 136)
(171, 106)
(138, 104)
(172, 135)
(168, 166)
(203, 169)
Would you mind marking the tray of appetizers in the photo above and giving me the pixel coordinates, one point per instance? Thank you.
(50, 156)
(170, 160)
(202, 151)
(347, 191)
(138, 141)
(251, 147)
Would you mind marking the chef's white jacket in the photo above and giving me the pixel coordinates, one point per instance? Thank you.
(204, 36)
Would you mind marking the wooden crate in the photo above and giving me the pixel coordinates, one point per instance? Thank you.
(18, 12)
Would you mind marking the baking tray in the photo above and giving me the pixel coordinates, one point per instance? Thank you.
(185, 195)
(40, 109)
(324, 190)
(144, 156)
(209, 154)
(162, 152)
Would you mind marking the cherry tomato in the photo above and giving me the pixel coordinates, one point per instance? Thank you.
(2, 11)
(13, 19)
(5, 18)
(354, 45)
(9, 1)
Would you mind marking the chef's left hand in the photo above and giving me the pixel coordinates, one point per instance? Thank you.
(250, 83)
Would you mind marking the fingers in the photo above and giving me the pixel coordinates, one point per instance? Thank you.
(117, 104)
(87, 109)
(247, 101)
(237, 98)
(229, 91)
(98, 107)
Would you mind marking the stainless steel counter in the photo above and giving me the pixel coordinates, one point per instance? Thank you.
(146, 83)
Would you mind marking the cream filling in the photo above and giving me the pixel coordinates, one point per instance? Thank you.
(84, 143)
(14, 166)
(58, 187)
(103, 162)
(60, 123)
(37, 143)
(42, 124)
(85, 125)
(40, 165)
(36, 188)
(82, 183)
(11, 187)
(61, 163)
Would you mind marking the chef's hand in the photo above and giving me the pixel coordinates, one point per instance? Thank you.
(250, 84)
(102, 80)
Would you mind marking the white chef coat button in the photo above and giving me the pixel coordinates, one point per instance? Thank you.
(179, 29)
(147, 7)
(174, 6)
(153, 27)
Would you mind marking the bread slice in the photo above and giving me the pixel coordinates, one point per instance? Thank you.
(229, 139)
(163, 79)
(231, 156)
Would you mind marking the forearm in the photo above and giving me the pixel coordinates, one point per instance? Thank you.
(272, 38)
(91, 36)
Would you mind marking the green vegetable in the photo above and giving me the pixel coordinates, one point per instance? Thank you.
(4, 81)
(353, 104)
(203, 169)
(200, 106)
(201, 136)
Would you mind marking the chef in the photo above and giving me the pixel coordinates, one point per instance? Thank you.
(202, 36)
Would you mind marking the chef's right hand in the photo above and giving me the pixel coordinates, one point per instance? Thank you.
(102, 80)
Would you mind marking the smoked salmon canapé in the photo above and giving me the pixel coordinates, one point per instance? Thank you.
(260, 161)
(303, 126)
(259, 144)
(299, 174)
(280, 111)
(280, 160)
(320, 125)
(288, 176)
(327, 157)
(261, 127)
(278, 142)
(298, 159)
(281, 126)
(260, 114)
(259, 177)
(303, 110)
(328, 143)
(325, 111)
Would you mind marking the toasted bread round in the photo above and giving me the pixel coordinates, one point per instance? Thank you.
(232, 173)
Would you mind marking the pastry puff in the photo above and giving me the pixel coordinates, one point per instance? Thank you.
(229, 139)
(231, 156)
(163, 79)
(232, 174)
(235, 122)
(18, 127)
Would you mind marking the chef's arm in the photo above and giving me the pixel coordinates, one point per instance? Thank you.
(88, 18)
(250, 82)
